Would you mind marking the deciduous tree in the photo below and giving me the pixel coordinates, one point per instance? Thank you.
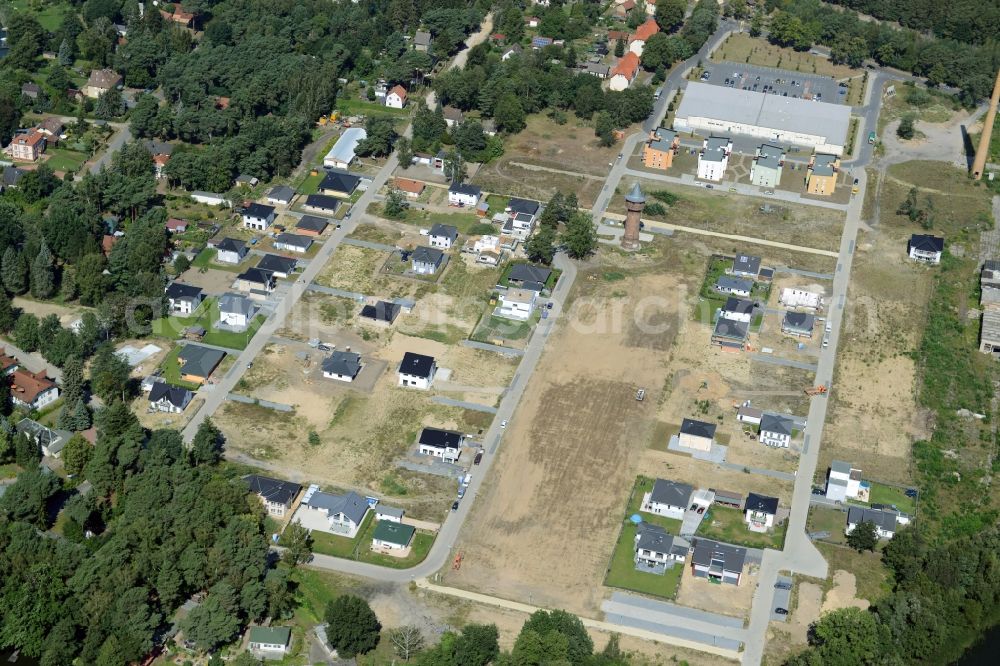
(353, 627)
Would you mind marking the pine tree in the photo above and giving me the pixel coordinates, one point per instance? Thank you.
(12, 270)
(81, 416)
(65, 53)
(7, 316)
(72, 379)
(43, 277)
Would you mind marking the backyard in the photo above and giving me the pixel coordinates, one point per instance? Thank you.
(729, 526)
(172, 370)
(359, 548)
(172, 327)
(61, 159)
(466, 223)
(339, 546)
(622, 573)
(643, 485)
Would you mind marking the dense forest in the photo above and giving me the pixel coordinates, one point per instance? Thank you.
(970, 21)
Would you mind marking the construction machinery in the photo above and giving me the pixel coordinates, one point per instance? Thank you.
(816, 390)
(457, 562)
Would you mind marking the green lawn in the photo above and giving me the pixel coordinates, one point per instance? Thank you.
(338, 546)
(497, 203)
(172, 328)
(49, 14)
(622, 573)
(310, 185)
(233, 340)
(356, 107)
(420, 546)
(644, 484)
(823, 519)
(206, 259)
(172, 370)
(731, 527)
(61, 159)
(883, 494)
(466, 223)
(498, 328)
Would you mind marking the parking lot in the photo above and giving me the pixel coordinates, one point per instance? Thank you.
(776, 81)
(782, 598)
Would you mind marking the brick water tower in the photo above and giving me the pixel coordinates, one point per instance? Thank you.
(979, 163)
(635, 201)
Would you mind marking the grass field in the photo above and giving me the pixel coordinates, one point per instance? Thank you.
(173, 327)
(871, 575)
(464, 222)
(172, 370)
(622, 573)
(49, 14)
(498, 328)
(883, 494)
(755, 51)
(338, 546)
(825, 519)
(310, 185)
(927, 105)
(61, 159)
(728, 525)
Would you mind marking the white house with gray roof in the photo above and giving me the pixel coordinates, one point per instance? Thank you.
(737, 309)
(727, 284)
(342, 514)
(843, 481)
(713, 160)
(343, 366)
(426, 260)
(442, 236)
(885, 521)
(717, 561)
(766, 168)
(667, 498)
(235, 312)
(776, 429)
(798, 324)
(656, 550)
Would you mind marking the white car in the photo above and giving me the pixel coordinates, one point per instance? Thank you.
(503, 424)
(829, 327)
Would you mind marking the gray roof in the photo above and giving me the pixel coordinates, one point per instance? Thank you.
(232, 245)
(181, 291)
(350, 504)
(235, 303)
(782, 114)
(731, 328)
(730, 283)
(294, 240)
(281, 193)
(427, 255)
(698, 428)
(529, 273)
(465, 188)
(275, 263)
(175, 395)
(746, 263)
(664, 139)
(343, 150)
(258, 211)
(655, 538)
(712, 553)
(523, 206)
(422, 38)
(256, 276)
(53, 440)
(770, 156)
(312, 223)
(273, 490)
(799, 321)
(342, 363)
(390, 511)
(763, 503)
(884, 519)
(823, 164)
(11, 175)
(715, 148)
(671, 493)
(200, 361)
(777, 423)
(323, 202)
(445, 230)
(840, 466)
(926, 243)
(635, 195)
(340, 181)
(738, 305)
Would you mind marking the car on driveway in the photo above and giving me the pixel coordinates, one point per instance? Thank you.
(818, 491)
(454, 505)
(782, 585)
(781, 611)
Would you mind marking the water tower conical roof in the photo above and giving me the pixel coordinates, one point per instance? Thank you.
(635, 195)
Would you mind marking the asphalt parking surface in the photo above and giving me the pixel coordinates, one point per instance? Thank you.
(782, 598)
(776, 81)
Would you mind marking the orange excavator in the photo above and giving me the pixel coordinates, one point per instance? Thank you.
(457, 563)
(817, 390)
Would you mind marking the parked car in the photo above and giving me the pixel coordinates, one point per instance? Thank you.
(454, 505)
(781, 611)
(782, 585)
(911, 492)
(503, 424)
(461, 492)
(818, 491)
(478, 459)
(323, 347)
(548, 306)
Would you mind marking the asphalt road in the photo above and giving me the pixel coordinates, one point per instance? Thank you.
(121, 136)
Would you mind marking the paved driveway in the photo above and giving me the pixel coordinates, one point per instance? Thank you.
(672, 620)
(782, 598)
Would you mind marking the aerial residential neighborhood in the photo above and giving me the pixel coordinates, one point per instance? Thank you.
(621, 331)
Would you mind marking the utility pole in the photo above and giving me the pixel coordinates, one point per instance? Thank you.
(979, 163)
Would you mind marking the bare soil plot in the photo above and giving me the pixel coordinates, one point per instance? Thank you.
(731, 600)
(211, 280)
(701, 474)
(359, 269)
(755, 217)
(41, 309)
(155, 420)
(843, 593)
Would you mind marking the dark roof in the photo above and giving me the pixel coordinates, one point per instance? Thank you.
(281, 193)
(350, 504)
(698, 428)
(11, 175)
(257, 275)
(312, 223)
(158, 147)
(381, 311)
(339, 181)
(445, 230)
(776, 423)
(926, 243)
(655, 538)
(393, 532)
(526, 206)
(465, 188)
(323, 201)
(427, 255)
(529, 273)
(707, 552)
(276, 264)
(884, 519)
(671, 493)
(763, 503)
(235, 303)
(417, 365)
(342, 363)
(738, 305)
(232, 245)
(801, 321)
(440, 438)
(733, 284)
(178, 290)
(175, 395)
(258, 210)
(745, 263)
(200, 361)
(295, 240)
(733, 329)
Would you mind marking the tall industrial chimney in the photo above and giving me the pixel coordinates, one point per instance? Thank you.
(979, 163)
(635, 201)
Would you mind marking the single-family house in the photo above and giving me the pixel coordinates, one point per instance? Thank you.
(718, 562)
(33, 390)
(443, 444)
(799, 298)
(696, 435)
(659, 151)
(598, 69)
(624, 72)
(776, 429)
(277, 495)
(101, 81)
(442, 236)
(322, 203)
(293, 242)
(339, 184)
(30, 90)
(389, 513)
(8, 363)
(270, 642)
(727, 284)
(516, 304)
(311, 225)
(343, 366)
(510, 52)
(166, 398)
(183, 298)
(422, 41)
(255, 281)
(539, 42)
(637, 41)
(236, 311)
(667, 498)
(12, 176)
(737, 309)
(799, 324)
(344, 513)
(417, 370)
(51, 442)
(452, 116)
(925, 248)
(713, 160)
(52, 127)
(281, 195)
(527, 276)
(396, 97)
(410, 187)
(426, 260)
(843, 481)
(231, 251)
(380, 312)
(728, 498)
(656, 550)
(342, 154)
(746, 266)
(748, 414)
(532, 21)
(277, 265)
(28, 146)
(766, 168)
(258, 216)
(198, 362)
(176, 225)
(463, 194)
(759, 512)
(730, 334)
(821, 176)
(392, 536)
(884, 521)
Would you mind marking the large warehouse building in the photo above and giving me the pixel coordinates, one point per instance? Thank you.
(800, 122)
